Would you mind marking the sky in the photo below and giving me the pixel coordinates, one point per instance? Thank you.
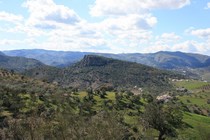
(107, 26)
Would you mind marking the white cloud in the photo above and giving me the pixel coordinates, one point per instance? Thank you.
(128, 22)
(164, 42)
(202, 33)
(47, 15)
(8, 42)
(81, 37)
(126, 33)
(9, 17)
(168, 38)
(29, 31)
(120, 7)
(109, 35)
(184, 46)
(127, 27)
(69, 32)
(193, 46)
(207, 6)
(11, 44)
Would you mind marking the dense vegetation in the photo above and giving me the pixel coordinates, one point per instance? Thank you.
(34, 110)
(94, 71)
(100, 98)
(19, 64)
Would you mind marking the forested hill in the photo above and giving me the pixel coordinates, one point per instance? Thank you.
(97, 71)
(18, 64)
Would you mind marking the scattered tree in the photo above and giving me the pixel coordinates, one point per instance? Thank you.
(164, 118)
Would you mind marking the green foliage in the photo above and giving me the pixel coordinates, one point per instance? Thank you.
(197, 127)
(104, 73)
(208, 101)
(18, 64)
(33, 110)
(165, 119)
(196, 100)
(191, 84)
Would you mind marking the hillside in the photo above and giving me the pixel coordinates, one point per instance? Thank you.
(166, 60)
(20, 95)
(171, 60)
(18, 64)
(96, 71)
(32, 109)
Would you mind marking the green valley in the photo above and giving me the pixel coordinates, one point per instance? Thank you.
(102, 98)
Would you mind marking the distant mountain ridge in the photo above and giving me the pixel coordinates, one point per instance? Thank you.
(162, 59)
(49, 57)
(1, 53)
(18, 64)
(190, 64)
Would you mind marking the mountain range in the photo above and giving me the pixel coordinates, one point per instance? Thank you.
(189, 64)
(162, 59)
(49, 57)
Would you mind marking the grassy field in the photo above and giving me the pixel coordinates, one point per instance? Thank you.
(197, 126)
(191, 84)
(198, 99)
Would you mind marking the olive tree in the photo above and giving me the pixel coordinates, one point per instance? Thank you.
(164, 118)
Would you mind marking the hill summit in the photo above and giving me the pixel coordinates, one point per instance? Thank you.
(94, 60)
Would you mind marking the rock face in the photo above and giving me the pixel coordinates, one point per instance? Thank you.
(93, 60)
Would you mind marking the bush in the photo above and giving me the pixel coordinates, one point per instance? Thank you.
(188, 101)
(208, 101)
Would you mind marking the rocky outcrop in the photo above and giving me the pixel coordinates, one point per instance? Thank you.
(93, 60)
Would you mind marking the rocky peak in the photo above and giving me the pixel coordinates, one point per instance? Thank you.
(94, 60)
